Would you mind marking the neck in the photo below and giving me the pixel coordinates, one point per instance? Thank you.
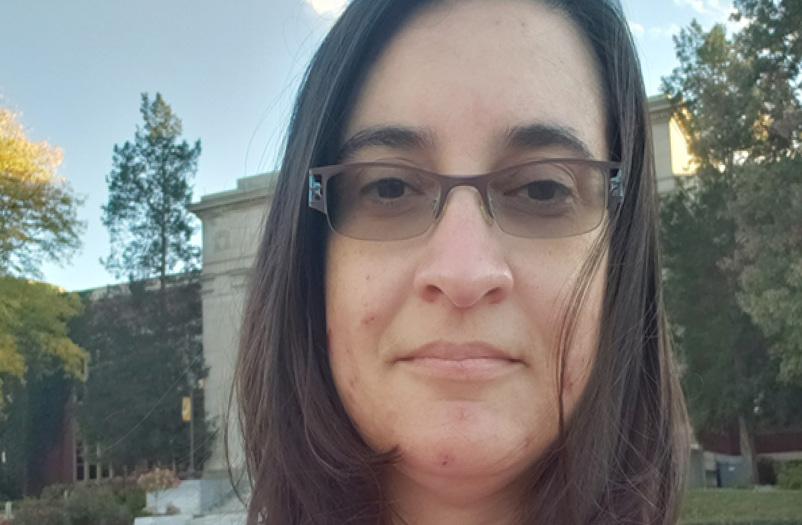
(451, 501)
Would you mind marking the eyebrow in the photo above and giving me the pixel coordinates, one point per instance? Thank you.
(396, 137)
(536, 136)
(533, 136)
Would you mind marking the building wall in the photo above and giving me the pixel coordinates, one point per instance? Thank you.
(672, 157)
(232, 226)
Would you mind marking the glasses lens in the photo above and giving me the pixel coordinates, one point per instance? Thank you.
(549, 200)
(381, 202)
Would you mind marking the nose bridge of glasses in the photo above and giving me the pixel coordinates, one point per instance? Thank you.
(477, 182)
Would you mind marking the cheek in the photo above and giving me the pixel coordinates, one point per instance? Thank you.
(546, 288)
(364, 291)
(584, 346)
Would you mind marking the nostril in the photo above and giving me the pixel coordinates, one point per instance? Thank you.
(431, 292)
(496, 295)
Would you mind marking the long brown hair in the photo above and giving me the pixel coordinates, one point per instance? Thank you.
(621, 456)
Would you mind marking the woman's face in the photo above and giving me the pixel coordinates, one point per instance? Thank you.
(446, 345)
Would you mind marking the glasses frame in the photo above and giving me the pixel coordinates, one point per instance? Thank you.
(319, 177)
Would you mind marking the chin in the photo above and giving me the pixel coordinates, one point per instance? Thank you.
(462, 442)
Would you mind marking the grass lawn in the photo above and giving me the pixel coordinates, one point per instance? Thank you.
(742, 507)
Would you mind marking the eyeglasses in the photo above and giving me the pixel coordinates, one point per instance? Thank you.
(539, 199)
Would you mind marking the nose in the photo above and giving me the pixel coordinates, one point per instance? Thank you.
(464, 262)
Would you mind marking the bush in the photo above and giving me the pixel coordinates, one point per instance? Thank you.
(129, 496)
(42, 512)
(133, 498)
(56, 491)
(790, 475)
(96, 505)
(158, 479)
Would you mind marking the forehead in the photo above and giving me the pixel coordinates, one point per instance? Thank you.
(467, 72)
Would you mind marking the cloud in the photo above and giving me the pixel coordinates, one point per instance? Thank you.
(636, 29)
(712, 8)
(665, 31)
(327, 8)
(696, 5)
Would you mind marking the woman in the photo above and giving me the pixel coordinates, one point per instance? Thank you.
(455, 314)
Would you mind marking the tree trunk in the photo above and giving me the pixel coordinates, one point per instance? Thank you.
(747, 441)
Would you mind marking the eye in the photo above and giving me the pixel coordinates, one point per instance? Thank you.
(388, 188)
(546, 190)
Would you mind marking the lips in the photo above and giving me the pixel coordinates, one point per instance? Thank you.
(460, 361)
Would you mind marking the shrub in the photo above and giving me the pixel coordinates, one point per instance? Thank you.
(42, 512)
(56, 491)
(96, 505)
(132, 497)
(790, 475)
(158, 479)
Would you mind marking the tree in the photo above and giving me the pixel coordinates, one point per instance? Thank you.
(767, 207)
(38, 210)
(146, 344)
(131, 406)
(734, 109)
(39, 364)
(149, 190)
(725, 357)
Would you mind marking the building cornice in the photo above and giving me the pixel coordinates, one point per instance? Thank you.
(256, 189)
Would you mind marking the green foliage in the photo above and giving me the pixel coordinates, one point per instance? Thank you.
(39, 364)
(149, 190)
(133, 498)
(34, 511)
(725, 357)
(33, 329)
(741, 507)
(768, 208)
(732, 234)
(82, 504)
(712, 92)
(775, 29)
(96, 505)
(790, 475)
(143, 363)
(38, 210)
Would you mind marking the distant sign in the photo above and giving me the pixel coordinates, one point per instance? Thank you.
(186, 408)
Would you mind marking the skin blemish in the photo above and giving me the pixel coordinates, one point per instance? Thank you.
(527, 441)
(368, 319)
(445, 460)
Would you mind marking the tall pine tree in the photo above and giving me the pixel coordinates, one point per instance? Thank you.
(145, 340)
(149, 191)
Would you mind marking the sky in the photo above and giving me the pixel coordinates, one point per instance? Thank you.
(74, 73)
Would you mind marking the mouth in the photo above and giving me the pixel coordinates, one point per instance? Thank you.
(460, 361)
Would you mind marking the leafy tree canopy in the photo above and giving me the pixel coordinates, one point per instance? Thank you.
(38, 210)
(739, 101)
(131, 408)
(732, 236)
(34, 339)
